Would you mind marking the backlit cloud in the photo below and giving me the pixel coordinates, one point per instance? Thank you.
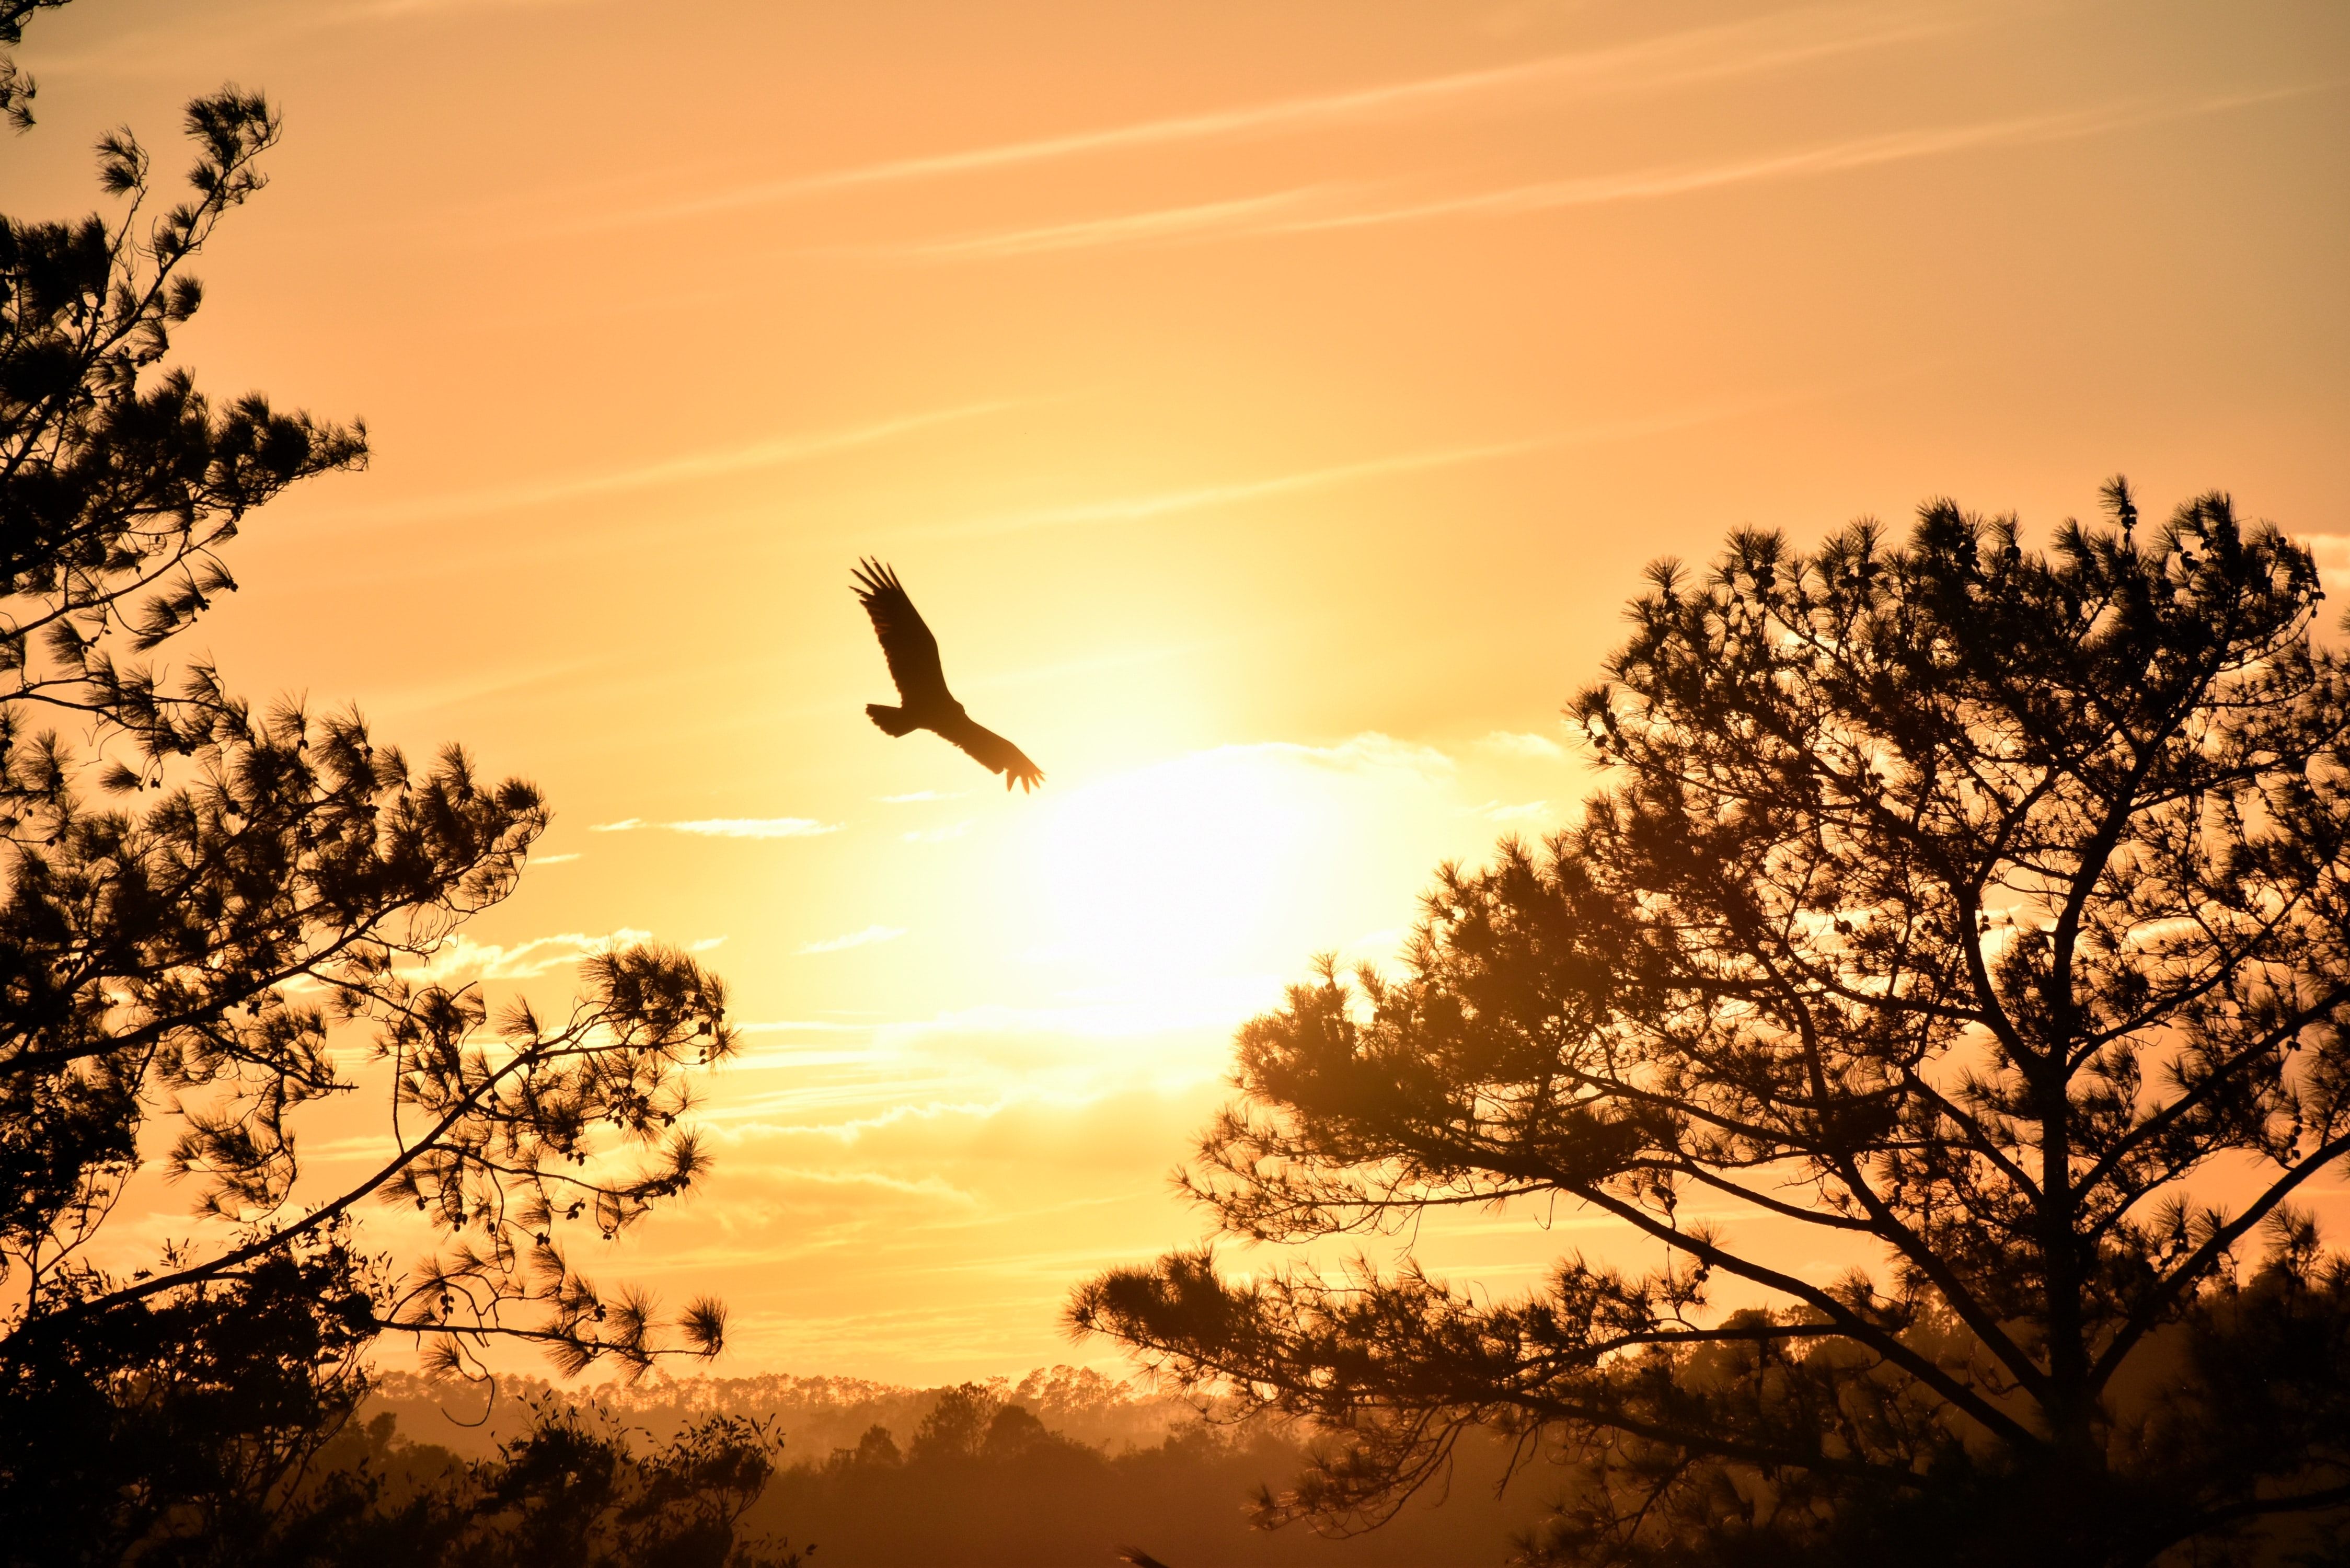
(1495, 811)
(855, 940)
(462, 961)
(1370, 751)
(2331, 552)
(728, 827)
(1513, 743)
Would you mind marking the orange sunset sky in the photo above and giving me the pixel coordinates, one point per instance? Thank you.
(1269, 405)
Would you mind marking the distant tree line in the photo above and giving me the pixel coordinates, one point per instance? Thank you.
(1063, 1469)
(821, 1413)
(1065, 1465)
(198, 895)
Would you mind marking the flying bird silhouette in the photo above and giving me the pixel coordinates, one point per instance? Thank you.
(927, 704)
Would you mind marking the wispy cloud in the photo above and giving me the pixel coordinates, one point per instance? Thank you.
(554, 859)
(1243, 214)
(1495, 811)
(1368, 753)
(772, 453)
(1514, 743)
(929, 1188)
(2331, 552)
(478, 682)
(1261, 215)
(1374, 946)
(936, 835)
(855, 940)
(462, 960)
(1163, 502)
(1212, 1003)
(727, 827)
(1676, 58)
(1160, 504)
(376, 9)
(1829, 158)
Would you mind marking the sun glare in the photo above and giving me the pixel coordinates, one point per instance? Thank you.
(1237, 863)
(1187, 870)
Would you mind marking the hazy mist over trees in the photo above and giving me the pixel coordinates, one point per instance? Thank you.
(1056, 1467)
(1982, 906)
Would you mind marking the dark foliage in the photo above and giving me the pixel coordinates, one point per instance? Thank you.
(172, 1421)
(574, 1489)
(16, 89)
(1982, 908)
(197, 897)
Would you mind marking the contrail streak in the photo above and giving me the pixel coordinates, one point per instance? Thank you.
(1140, 508)
(1160, 503)
(1674, 60)
(1242, 218)
(1134, 228)
(1835, 156)
(668, 471)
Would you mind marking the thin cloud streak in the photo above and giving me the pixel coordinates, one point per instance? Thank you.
(1242, 218)
(377, 9)
(1651, 63)
(1131, 228)
(1515, 743)
(462, 957)
(727, 827)
(1833, 158)
(855, 940)
(1495, 811)
(1142, 508)
(772, 453)
(754, 827)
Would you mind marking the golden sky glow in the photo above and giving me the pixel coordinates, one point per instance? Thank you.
(1270, 408)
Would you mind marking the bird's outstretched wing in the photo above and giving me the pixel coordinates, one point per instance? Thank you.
(995, 753)
(905, 642)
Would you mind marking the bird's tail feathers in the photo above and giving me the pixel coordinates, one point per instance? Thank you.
(892, 720)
